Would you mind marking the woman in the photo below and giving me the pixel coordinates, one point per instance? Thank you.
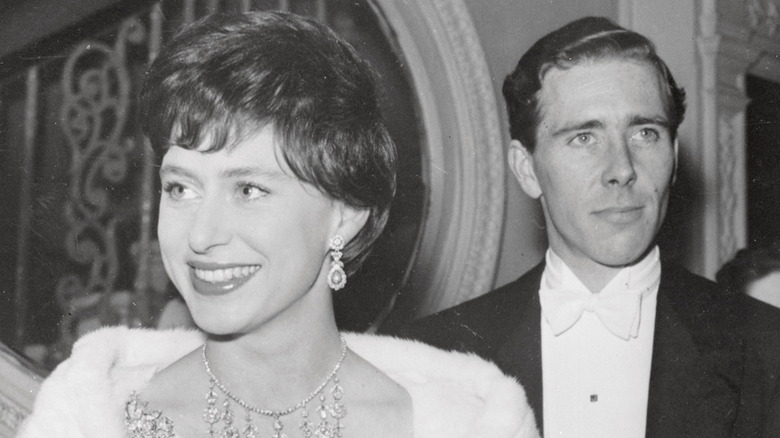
(277, 177)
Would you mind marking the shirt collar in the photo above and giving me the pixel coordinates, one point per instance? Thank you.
(644, 275)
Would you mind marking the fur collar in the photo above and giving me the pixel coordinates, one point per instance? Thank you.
(454, 394)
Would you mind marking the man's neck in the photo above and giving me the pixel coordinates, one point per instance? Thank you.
(595, 276)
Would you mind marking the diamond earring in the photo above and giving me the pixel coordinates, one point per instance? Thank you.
(337, 278)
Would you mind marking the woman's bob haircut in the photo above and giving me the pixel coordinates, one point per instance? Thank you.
(229, 75)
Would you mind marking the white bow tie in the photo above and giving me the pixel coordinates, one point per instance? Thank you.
(619, 311)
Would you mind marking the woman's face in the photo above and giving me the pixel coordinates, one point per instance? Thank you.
(244, 241)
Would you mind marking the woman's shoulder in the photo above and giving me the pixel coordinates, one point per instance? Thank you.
(104, 367)
(454, 394)
(123, 355)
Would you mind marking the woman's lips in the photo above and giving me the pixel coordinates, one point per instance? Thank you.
(220, 281)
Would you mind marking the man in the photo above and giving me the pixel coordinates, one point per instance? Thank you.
(606, 339)
(754, 274)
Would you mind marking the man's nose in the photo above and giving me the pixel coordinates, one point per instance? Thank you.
(210, 225)
(619, 169)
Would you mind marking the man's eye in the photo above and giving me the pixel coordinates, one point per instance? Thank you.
(583, 139)
(647, 134)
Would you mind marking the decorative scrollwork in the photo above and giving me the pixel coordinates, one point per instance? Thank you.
(96, 88)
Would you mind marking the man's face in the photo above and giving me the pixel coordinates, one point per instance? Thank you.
(603, 162)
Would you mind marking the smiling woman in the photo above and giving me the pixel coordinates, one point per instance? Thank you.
(278, 174)
(79, 231)
(242, 210)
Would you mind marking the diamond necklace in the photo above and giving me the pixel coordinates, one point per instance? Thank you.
(330, 415)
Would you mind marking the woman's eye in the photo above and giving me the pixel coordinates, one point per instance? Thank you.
(251, 191)
(178, 191)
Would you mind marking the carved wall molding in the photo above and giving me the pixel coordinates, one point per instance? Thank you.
(730, 130)
(11, 416)
(18, 387)
(460, 239)
(763, 16)
(709, 44)
(732, 45)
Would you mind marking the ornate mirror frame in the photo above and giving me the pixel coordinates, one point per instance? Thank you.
(460, 239)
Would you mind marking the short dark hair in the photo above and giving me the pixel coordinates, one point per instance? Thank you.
(228, 75)
(747, 266)
(589, 38)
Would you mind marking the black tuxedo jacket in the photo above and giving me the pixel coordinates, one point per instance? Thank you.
(697, 357)
(759, 410)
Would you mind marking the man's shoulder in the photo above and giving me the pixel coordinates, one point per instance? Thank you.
(673, 272)
(709, 314)
(498, 301)
(693, 294)
(476, 324)
(505, 299)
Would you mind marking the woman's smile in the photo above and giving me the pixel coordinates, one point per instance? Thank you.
(219, 281)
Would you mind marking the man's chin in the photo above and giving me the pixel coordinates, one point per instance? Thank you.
(621, 258)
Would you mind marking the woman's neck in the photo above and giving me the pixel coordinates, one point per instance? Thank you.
(279, 364)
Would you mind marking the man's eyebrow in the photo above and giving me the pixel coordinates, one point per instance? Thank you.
(584, 126)
(635, 120)
(654, 120)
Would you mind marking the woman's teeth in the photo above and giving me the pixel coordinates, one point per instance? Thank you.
(220, 275)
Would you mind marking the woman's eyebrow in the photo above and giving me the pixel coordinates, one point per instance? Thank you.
(167, 169)
(238, 172)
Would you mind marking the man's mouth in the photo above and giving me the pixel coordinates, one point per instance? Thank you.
(621, 215)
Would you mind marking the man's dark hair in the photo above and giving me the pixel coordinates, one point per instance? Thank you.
(227, 76)
(586, 39)
(747, 266)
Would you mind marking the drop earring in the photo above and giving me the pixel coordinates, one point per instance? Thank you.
(337, 278)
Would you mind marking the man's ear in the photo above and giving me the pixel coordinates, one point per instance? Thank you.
(351, 221)
(522, 164)
(676, 160)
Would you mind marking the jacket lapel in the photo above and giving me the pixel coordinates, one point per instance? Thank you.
(695, 369)
(521, 354)
(682, 400)
(672, 356)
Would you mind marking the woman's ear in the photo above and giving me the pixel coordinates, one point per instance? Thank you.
(522, 164)
(351, 221)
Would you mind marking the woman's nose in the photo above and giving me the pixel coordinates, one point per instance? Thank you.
(210, 226)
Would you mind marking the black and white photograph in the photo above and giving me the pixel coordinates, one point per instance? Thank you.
(389, 218)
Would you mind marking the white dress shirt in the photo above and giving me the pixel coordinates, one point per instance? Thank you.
(596, 384)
